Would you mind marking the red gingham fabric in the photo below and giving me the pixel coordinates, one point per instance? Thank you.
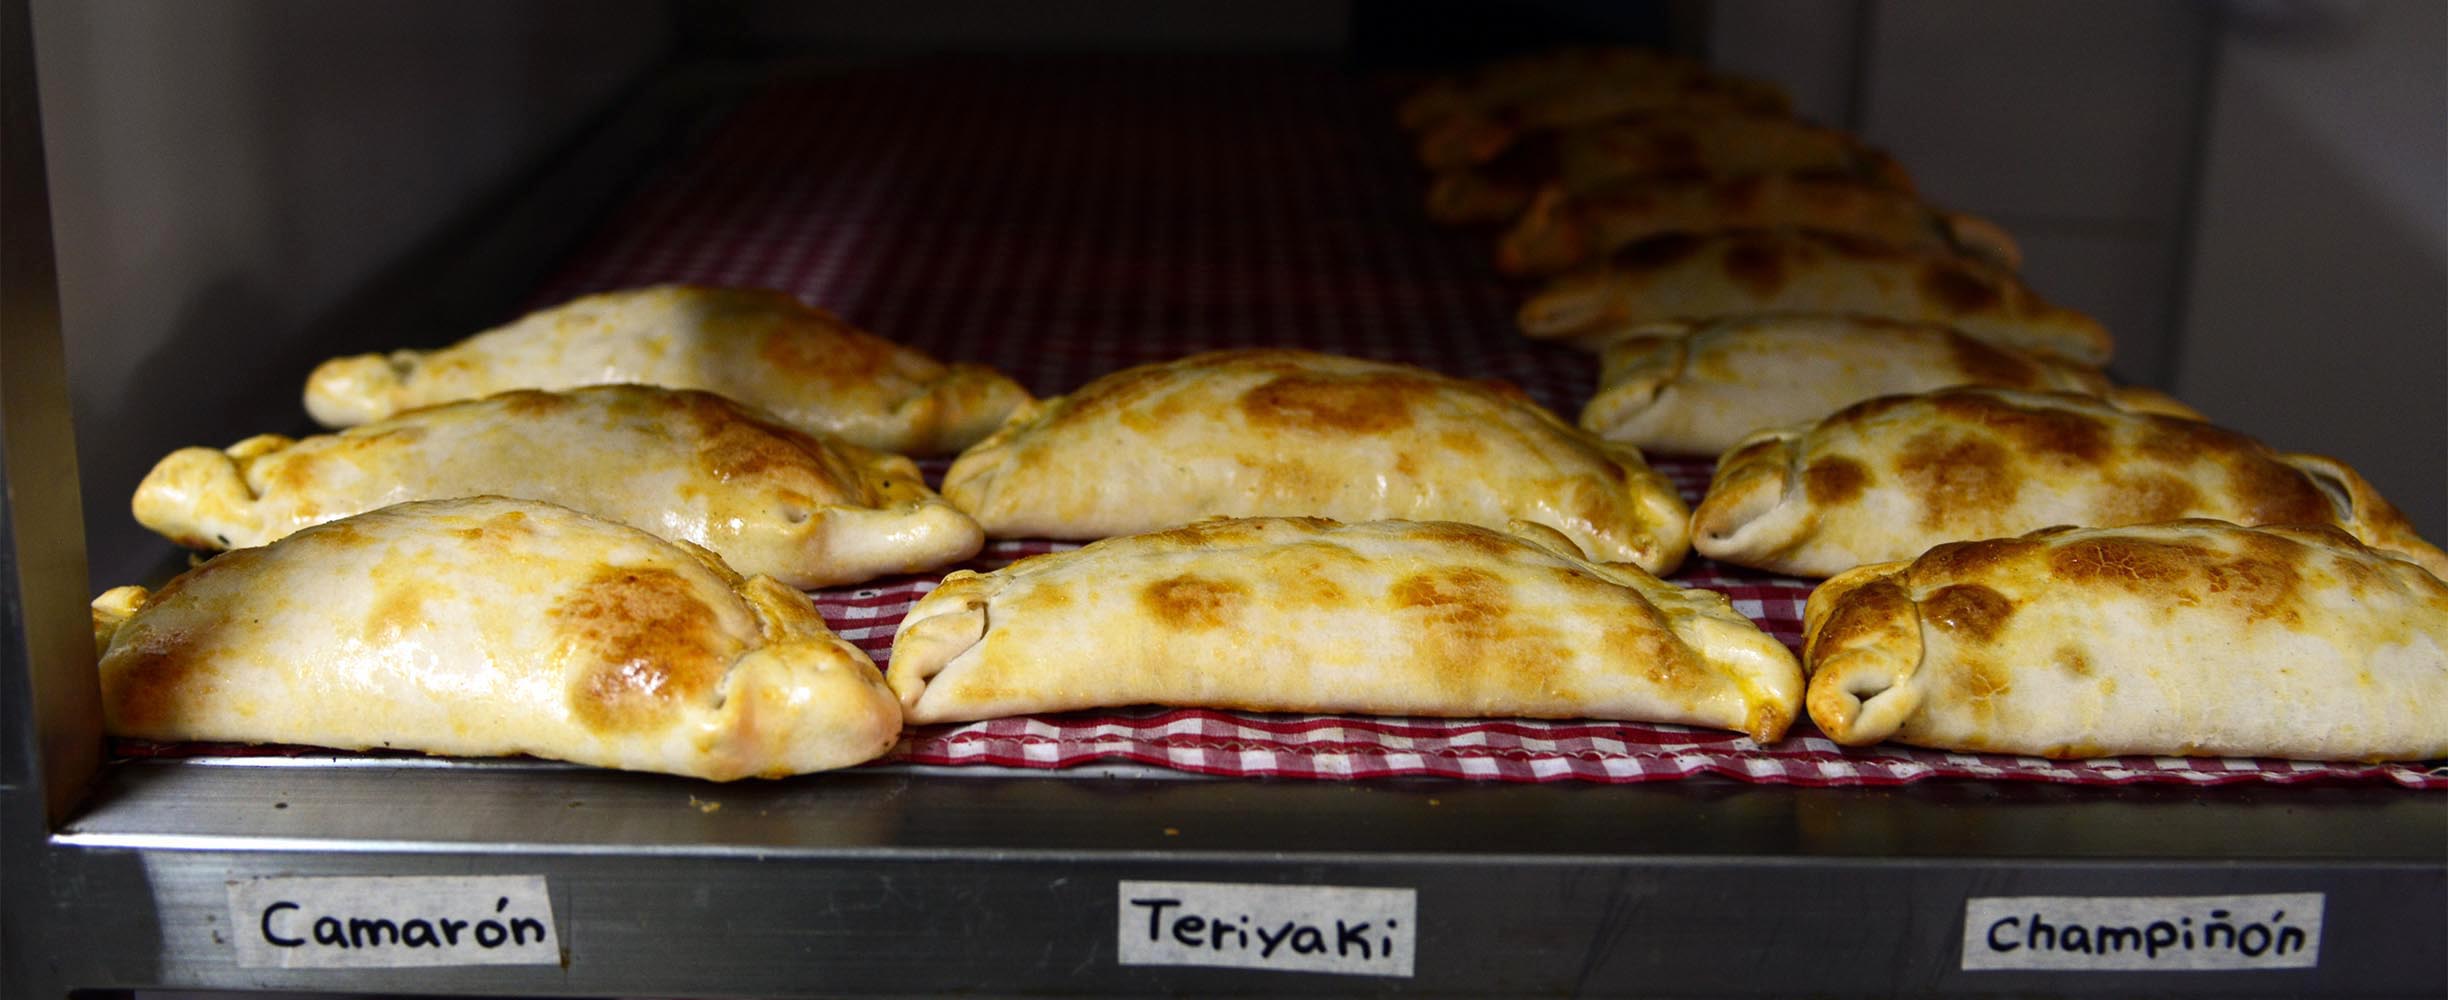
(1061, 219)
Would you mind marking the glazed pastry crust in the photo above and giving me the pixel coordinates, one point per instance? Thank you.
(689, 466)
(763, 348)
(1307, 615)
(488, 626)
(1698, 275)
(1561, 231)
(1888, 478)
(2194, 637)
(1258, 433)
(1701, 388)
(1585, 159)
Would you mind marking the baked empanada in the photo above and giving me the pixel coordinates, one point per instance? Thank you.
(1583, 160)
(686, 465)
(1306, 615)
(487, 626)
(1468, 139)
(1258, 433)
(2191, 637)
(763, 348)
(1700, 388)
(1506, 81)
(1698, 275)
(1561, 231)
(1888, 478)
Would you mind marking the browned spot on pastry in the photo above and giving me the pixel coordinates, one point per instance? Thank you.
(159, 679)
(2271, 492)
(1959, 480)
(1988, 365)
(1976, 683)
(1869, 409)
(1657, 252)
(1834, 480)
(2073, 661)
(1861, 617)
(1457, 597)
(649, 645)
(2035, 430)
(809, 346)
(2261, 579)
(399, 608)
(1740, 196)
(1968, 609)
(1042, 597)
(1225, 532)
(1462, 442)
(1970, 560)
(1362, 404)
(738, 447)
(1468, 538)
(1960, 289)
(2150, 497)
(498, 529)
(531, 402)
(1191, 603)
(1755, 451)
(1757, 267)
(2140, 564)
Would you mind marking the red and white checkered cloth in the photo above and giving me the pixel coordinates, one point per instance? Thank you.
(1061, 219)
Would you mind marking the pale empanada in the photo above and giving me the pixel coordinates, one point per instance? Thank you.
(1886, 479)
(1307, 615)
(1698, 275)
(1583, 160)
(1561, 231)
(2191, 637)
(686, 465)
(1700, 388)
(763, 348)
(487, 626)
(1258, 433)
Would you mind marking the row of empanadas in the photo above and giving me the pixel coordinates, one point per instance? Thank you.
(490, 626)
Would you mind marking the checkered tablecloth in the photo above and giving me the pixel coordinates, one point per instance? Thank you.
(1060, 219)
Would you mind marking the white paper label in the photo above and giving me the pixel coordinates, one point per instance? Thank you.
(1298, 928)
(395, 922)
(2184, 933)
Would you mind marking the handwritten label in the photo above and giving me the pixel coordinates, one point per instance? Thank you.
(374, 923)
(2183, 933)
(1295, 928)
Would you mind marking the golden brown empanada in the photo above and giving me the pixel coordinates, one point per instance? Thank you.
(1469, 139)
(763, 348)
(1256, 433)
(1561, 231)
(689, 466)
(488, 626)
(1886, 479)
(1306, 615)
(1585, 159)
(1701, 388)
(2190, 637)
(1699, 275)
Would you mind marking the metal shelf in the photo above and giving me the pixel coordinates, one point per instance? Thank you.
(917, 881)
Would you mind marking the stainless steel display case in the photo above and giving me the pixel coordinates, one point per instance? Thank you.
(917, 881)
